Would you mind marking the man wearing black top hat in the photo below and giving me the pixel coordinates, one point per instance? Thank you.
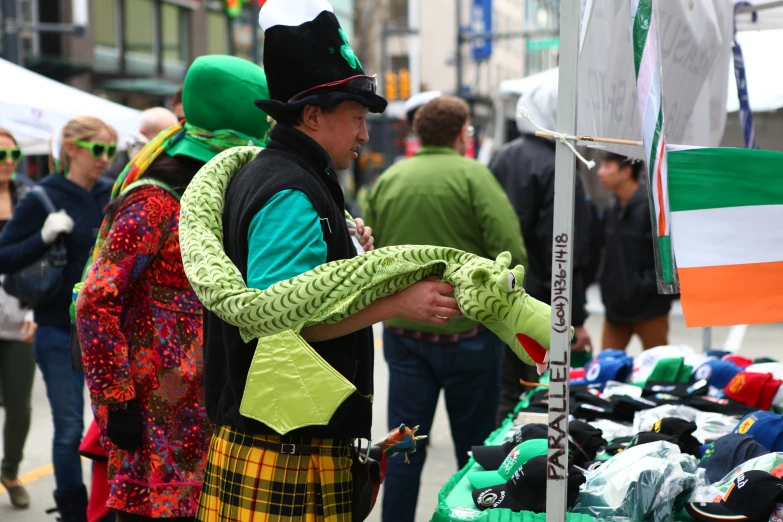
(284, 215)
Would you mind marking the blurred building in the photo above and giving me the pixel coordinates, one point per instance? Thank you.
(136, 52)
(430, 63)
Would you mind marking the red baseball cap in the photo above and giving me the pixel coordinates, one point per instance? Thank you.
(739, 360)
(753, 389)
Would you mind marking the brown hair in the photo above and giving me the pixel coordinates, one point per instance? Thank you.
(440, 121)
(79, 128)
(8, 135)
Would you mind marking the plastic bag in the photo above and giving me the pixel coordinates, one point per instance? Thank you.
(705, 492)
(710, 426)
(649, 482)
(613, 430)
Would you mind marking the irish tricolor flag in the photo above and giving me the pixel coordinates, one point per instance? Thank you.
(727, 231)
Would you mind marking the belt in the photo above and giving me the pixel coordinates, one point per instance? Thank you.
(287, 449)
(436, 338)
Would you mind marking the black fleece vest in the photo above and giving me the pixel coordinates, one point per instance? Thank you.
(291, 161)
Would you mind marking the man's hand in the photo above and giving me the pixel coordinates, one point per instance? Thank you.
(425, 302)
(583, 342)
(365, 235)
(28, 331)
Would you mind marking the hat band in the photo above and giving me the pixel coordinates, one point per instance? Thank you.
(362, 83)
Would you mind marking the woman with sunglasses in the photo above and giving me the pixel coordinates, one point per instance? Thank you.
(79, 194)
(17, 365)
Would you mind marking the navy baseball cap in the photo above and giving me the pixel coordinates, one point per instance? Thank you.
(717, 373)
(765, 427)
(728, 452)
(609, 368)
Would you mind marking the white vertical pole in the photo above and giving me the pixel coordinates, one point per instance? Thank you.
(414, 45)
(562, 256)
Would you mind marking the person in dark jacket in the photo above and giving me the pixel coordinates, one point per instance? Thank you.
(79, 194)
(628, 283)
(525, 168)
(284, 215)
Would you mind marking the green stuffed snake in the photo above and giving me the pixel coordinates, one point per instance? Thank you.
(289, 385)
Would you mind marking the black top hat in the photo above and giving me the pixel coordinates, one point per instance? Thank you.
(308, 60)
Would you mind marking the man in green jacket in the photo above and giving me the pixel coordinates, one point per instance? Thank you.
(438, 197)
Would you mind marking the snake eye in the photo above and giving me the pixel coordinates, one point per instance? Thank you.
(512, 282)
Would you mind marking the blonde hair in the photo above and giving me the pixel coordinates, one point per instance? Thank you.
(7, 134)
(79, 128)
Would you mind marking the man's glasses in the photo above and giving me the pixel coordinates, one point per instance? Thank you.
(15, 154)
(98, 149)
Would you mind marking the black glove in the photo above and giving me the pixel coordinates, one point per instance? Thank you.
(124, 427)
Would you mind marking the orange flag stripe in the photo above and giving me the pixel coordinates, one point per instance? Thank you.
(732, 294)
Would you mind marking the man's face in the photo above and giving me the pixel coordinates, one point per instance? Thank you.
(343, 132)
(611, 175)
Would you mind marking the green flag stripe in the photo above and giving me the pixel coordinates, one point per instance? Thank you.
(651, 166)
(718, 178)
(641, 26)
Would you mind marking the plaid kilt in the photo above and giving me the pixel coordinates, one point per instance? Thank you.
(246, 482)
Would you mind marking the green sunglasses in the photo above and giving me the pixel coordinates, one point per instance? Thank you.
(98, 148)
(15, 154)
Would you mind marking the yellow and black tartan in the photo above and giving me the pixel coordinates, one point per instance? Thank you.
(246, 482)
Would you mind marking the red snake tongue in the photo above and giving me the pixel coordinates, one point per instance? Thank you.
(536, 352)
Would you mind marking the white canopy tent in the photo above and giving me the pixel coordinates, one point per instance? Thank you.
(34, 107)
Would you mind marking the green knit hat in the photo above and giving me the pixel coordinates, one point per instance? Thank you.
(219, 94)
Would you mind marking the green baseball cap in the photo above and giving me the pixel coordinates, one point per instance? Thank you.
(218, 95)
(672, 369)
(518, 456)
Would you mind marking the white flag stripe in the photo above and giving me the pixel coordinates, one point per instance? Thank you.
(728, 236)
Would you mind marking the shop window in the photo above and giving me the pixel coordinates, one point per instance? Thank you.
(174, 39)
(242, 43)
(104, 22)
(217, 33)
(140, 37)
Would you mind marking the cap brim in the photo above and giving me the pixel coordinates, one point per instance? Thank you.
(712, 512)
(500, 497)
(277, 109)
(485, 479)
(490, 457)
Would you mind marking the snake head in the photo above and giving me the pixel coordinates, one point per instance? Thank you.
(492, 293)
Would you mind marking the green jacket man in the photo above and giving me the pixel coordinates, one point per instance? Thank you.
(438, 197)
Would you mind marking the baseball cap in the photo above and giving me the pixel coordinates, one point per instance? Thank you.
(727, 453)
(682, 431)
(672, 369)
(625, 408)
(754, 494)
(716, 353)
(608, 368)
(585, 441)
(717, 373)
(491, 457)
(753, 389)
(723, 406)
(513, 461)
(645, 362)
(773, 367)
(765, 427)
(739, 360)
(526, 489)
(535, 430)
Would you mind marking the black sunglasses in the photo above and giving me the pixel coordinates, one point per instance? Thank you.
(14, 153)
